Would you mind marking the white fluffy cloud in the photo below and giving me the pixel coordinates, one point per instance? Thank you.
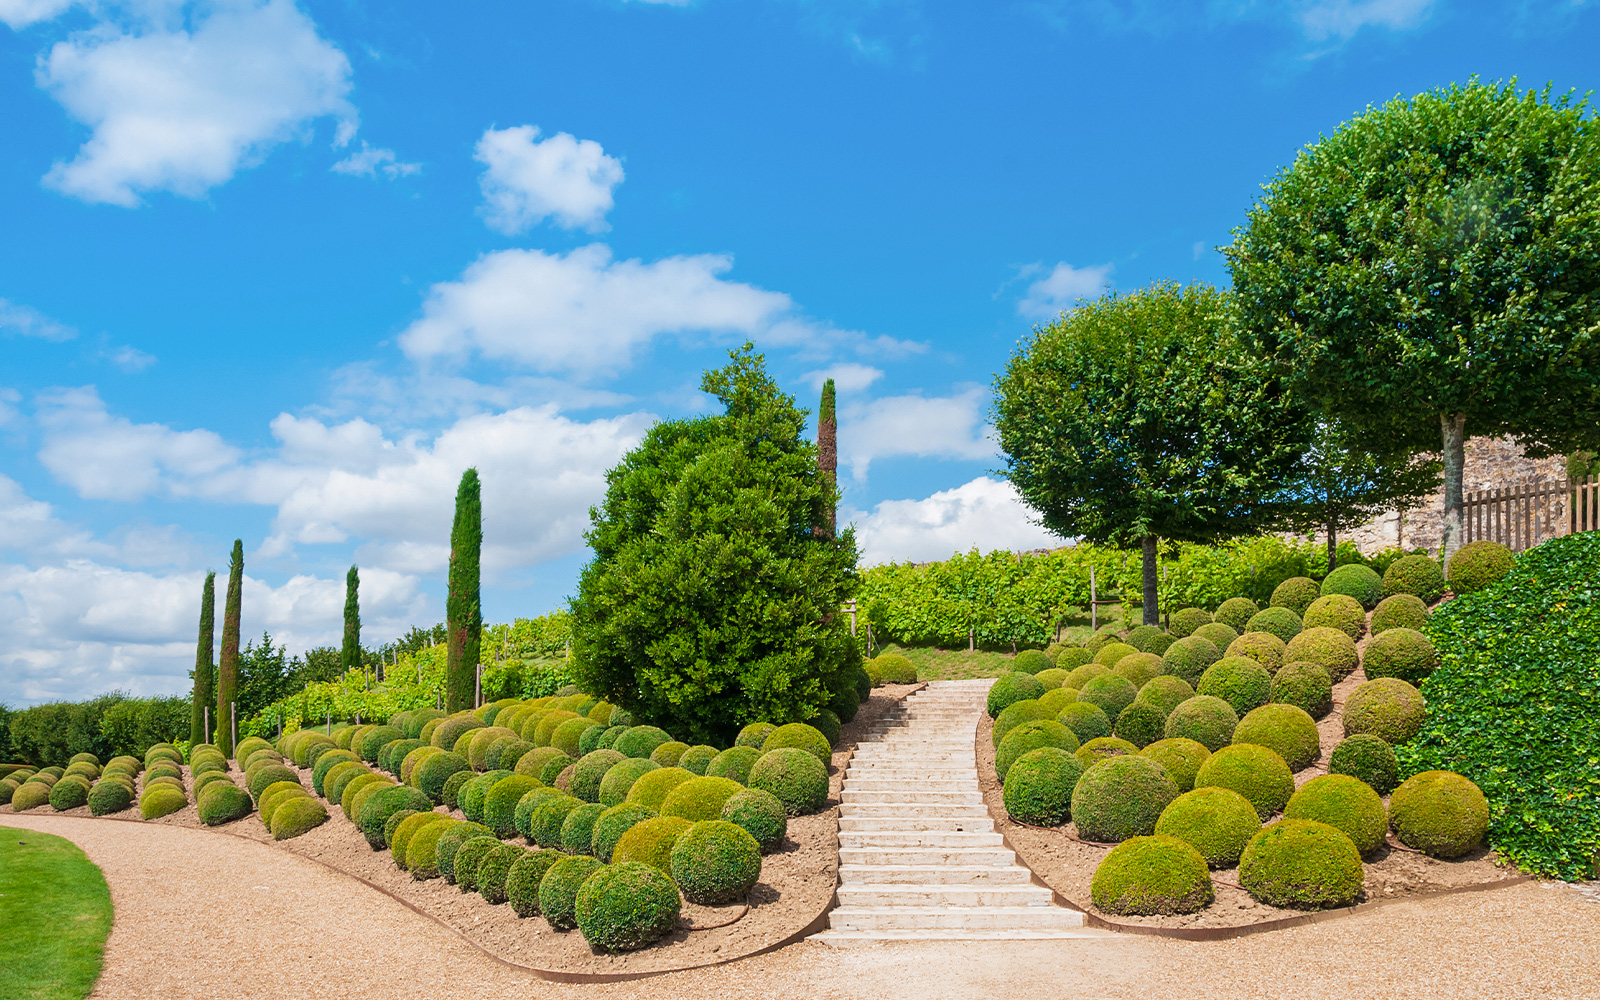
(582, 312)
(924, 426)
(18, 14)
(985, 514)
(847, 377)
(107, 457)
(26, 321)
(1340, 19)
(1047, 297)
(182, 108)
(527, 179)
(370, 161)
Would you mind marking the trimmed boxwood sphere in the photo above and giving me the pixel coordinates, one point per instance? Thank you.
(1328, 647)
(558, 891)
(1256, 772)
(1038, 786)
(1071, 658)
(474, 792)
(505, 753)
(1188, 658)
(500, 804)
(1112, 653)
(1110, 693)
(619, 779)
(1140, 668)
(1476, 565)
(1105, 746)
(1181, 757)
(626, 906)
(760, 814)
(1401, 652)
(400, 840)
(1305, 685)
(1140, 724)
(297, 815)
(734, 762)
(1289, 731)
(1295, 594)
(221, 803)
(1101, 639)
(450, 798)
(1339, 611)
(715, 862)
(1301, 864)
(698, 758)
(69, 793)
(1217, 822)
(1241, 682)
(1399, 611)
(1369, 758)
(1052, 679)
(612, 824)
(667, 754)
(577, 830)
(828, 724)
(469, 855)
(547, 818)
(589, 742)
(1439, 813)
(1281, 622)
(569, 735)
(261, 777)
(1418, 575)
(892, 668)
(1149, 639)
(108, 796)
(1218, 634)
(801, 737)
(33, 794)
(754, 735)
(699, 798)
(1388, 708)
(1345, 802)
(436, 770)
(1121, 797)
(1236, 612)
(421, 852)
(1356, 580)
(1082, 674)
(797, 778)
(641, 741)
(1057, 698)
(326, 763)
(1010, 688)
(450, 844)
(522, 881)
(1017, 713)
(1262, 647)
(590, 771)
(1032, 736)
(650, 842)
(358, 791)
(1185, 620)
(1206, 719)
(1087, 722)
(1152, 876)
(1164, 694)
(375, 812)
(536, 763)
(1031, 661)
(651, 789)
(493, 869)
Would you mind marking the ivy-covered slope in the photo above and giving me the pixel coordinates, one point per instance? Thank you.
(1515, 706)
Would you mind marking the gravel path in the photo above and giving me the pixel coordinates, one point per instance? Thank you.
(201, 915)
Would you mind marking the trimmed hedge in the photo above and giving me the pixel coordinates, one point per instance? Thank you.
(626, 906)
(754, 735)
(1329, 648)
(522, 881)
(1401, 652)
(1262, 647)
(1388, 708)
(421, 852)
(796, 777)
(1417, 575)
(298, 815)
(1014, 715)
(558, 891)
(1368, 758)
(223, 803)
(1301, 864)
(620, 777)
(382, 804)
(1112, 653)
(1082, 674)
(1289, 731)
(1140, 725)
(698, 758)
(156, 802)
(1400, 611)
(1241, 682)
(800, 736)
(1110, 693)
(109, 796)
(1304, 685)
(544, 825)
(1181, 757)
(450, 798)
(1281, 622)
(590, 771)
(1344, 802)
(449, 847)
(641, 741)
(473, 794)
(1339, 611)
(436, 770)
(1121, 797)
(1151, 876)
(400, 839)
(500, 804)
(892, 668)
(1031, 661)
(1185, 620)
(1236, 612)
(1087, 722)
(760, 813)
(1038, 787)
(577, 830)
(1218, 634)
(612, 824)
(1057, 698)
(1355, 580)
(715, 862)
(1217, 822)
(1257, 773)
(469, 854)
(1032, 736)
(1439, 813)
(493, 869)
(667, 754)
(1206, 719)
(1097, 750)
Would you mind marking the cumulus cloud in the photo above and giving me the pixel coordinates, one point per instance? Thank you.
(927, 427)
(18, 14)
(369, 161)
(107, 457)
(1322, 20)
(1048, 296)
(985, 514)
(130, 359)
(527, 180)
(847, 377)
(181, 109)
(25, 321)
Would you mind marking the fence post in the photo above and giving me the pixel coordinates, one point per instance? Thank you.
(208, 724)
(233, 725)
(1094, 608)
(972, 639)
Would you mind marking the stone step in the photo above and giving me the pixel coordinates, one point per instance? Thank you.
(912, 797)
(926, 856)
(966, 918)
(850, 939)
(891, 894)
(887, 773)
(901, 810)
(944, 874)
(909, 785)
(890, 824)
(920, 838)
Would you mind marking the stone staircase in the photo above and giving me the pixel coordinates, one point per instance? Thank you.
(919, 858)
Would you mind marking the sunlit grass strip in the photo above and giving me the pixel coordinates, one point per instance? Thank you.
(55, 913)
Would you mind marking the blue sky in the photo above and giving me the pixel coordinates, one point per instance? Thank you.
(281, 270)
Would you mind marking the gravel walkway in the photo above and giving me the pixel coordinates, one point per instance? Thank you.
(201, 915)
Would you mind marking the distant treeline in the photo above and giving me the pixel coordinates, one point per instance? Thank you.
(107, 726)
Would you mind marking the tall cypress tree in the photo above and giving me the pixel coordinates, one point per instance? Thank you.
(828, 458)
(463, 616)
(350, 655)
(204, 669)
(228, 663)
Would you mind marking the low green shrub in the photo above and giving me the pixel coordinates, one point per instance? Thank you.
(796, 777)
(1206, 719)
(1344, 802)
(697, 798)
(1217, 822)
(436, 770)
(1355, 580)
(452, 729)
(297, 815)
(1164, 694)
(1112, 653)
(547, 819)
(375, 812)
(1188, 658)
(108, 797)
(1240, 681)
(754, 735)
(1140, 668)
(1401, 652)
(892, 668)
(1149, 639)
(1181, 757)
(651, 841)
(1010, 688)
(1080, 675)
(612, 824)
(450, 844)
(1151, 876)
(1099, 749)
(375, 740)
(1262, 647)
(1185, 620)
(506, 751)
(543, 763)
(1439, 813)
(1329, 648)
(1057, 698)
(1280, 622)
(1257, 773)
(1032, 736)
(1236, 612)
(1016, 714)
(735, 763)
(641, 741)
(270, 799)
(590, 770)
(1038, 787)
(1339, 611)
(400, 839)
(394, 752)
(1121, 797)
(1051, 679)
(1140, 725)
(667, 754)
(1031, 661)
(469, 855)
(568, 737)
(589, 742)
(522, 881)
(1388, 708)
(500, 804)
(156, 802)
(1418, 575)
(493, 869)
(760, 813)
(326, 763)
(577, 830)
(1218, 634)
(1295, 594)
(715, 862)
(1305, 685)
(69, 793)
(450, 798)
(1400, 611)
(651, 789)
(801, 737)
(223, 803)
(626, 906)
(421, 852)
(698, 758)
(1289, 731)
(1477, 565)
(1072, 657)
(1369, 758)
(1110, 693)
(1300, 864)
(474, 793)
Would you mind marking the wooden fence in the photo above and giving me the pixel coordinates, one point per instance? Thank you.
(1522, 517)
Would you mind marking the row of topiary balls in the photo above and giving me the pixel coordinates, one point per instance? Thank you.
(82, 782)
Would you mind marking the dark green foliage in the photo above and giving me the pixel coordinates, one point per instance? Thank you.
(1439, 813)
(1257, 773)
(1164, 694)
(710, 602)
(735, 763)
(1357, 581)
(1099, 749)
(715, 862)
(1281, 622)
(698, 799)
(500, 803)
(1072, 657)
(1346, 803)
(569, 735)
(296, 816)
(450, 844)
(450, 796)
(33, 794)
(341, 775)
(1140, 724)
(380, 805)
(326, 763)
(698, 758)
(421, 852)
(589, 741)
(612, 824)
(1184, 622)
(1339, 611)
(392, 824)
(350, 650)
(468, 856)
(1236, 613)
(1304, 685)
(1031, 736)
(667, 754)
(577, 830)
(1038, 786)
(463, 613)
(1149, 639)
(203, 694)
(493, 869)
(263, 776)
(1031, 661)
(651, 789)
(1329, 648)
(452, 729)
(627, 906)
(1301, 864)
(1110, 693)
(826, 723)
(1087, 722)
(228, 662)
(108, 796)
(522, 881)
(1216, 822)
(1289, 731)
(1369, 758)
(223, 803)
(506, 751)
(1139, 668)
(1400, 611)
(1151, 876)
(1180, 756)
(1295, 594)
(1121, 797)
(754, 735)
(1010, 688)
(473, 794)
(1080, 675)
(400, 840)
(801, 737)
(544, 826)
(589, 771)
(1400, 652)
(436, 770)
(1388, 708)
(1241, 682)
(529, 804)
(1015, 714)
(796, 777)
(1188, 658)
(641, 741)
(1417, 575)
(619, 778)
(1262, 647)
(69, 794)
(760, 813)
(1476, 565)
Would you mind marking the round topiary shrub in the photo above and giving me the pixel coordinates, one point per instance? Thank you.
(1280, 622)
(1164, 694)
(1356, 580)
(754, 734)
(1304, 685)
(375, 812)
(1039, 784)
(1150, 639)
(589, 742)
(1403, 653)
(1400, 611)
(69, 793)
(1071, 658)
(892, 668)
(1017, 713)
(223, 803)
(612, 824)
(1110, 693)
(1052, 679)
(1183, 622)
(1217, 822)
(539, 761)
(1301, 864)
(468, 857)
(1339, 611)
(435, 771)
(1329, 648)
(1140, 668)
(400, 840)
(1236, 612)
(1057, 698)
(626, 906)
(297, 815)
(1240, 681)
(1219, 635)
(522, 881)
(540, 728)
(1112, 653)
(505, 752)
(1476, 565)
(1417, 575)
(1121, 797)
(1095, 643)
(33, 794)
(1181, 757)
(387, 754)
(801, 737)
(1388, 708)
(734, 763)
(619, 779)
(421, 852)
(474, 792)
(698, 758)
(1031, 736)
(1295, 594)
(108, 797)
(569, 735)
(1257, 773)
(1288, 731)
(1097, 750)
(500, 804)
(641, 741)
(715, 862)
(1206, 719)
(1087, 722)
(650, 842)
(450, 844)
(1262, 647)
(493, 870)
(325, 764)
(1151, 876)
(1368, 758)
(1439, 813)
(1344, 802)
(1011, 688)
(1187, 659)
(1140, 725)
(577, 830)
(1031, 661)
(651, 789)
(558, 891)
(699, 799)
(760, 813)
(796, 777)
(590, 771)
(451, 796)
(1078, 676)
(548, 817)
(261, 777)
(826, 723)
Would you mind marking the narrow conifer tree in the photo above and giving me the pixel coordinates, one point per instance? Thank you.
(463, 616)
(350, 654)
(204, 668)
(228, 662)
(828, 456)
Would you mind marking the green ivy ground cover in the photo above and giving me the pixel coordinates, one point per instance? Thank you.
(1515, 706)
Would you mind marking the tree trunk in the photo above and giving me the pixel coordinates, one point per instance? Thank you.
(1333, 546)
(1152, 598)
(1453, 426)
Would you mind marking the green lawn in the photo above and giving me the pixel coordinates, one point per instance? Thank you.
(55, 913)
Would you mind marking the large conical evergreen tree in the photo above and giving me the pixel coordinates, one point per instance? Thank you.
(350, 654)
(204, 669)
(463, 616)
(228, 663)
(828, 456)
